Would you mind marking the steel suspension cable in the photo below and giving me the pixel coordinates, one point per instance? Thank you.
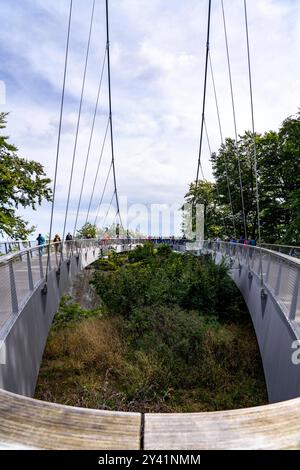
(216, 97)
(107, 212)
(79, 119)
(210, 152)
(234, 120)
(254, 138)
(90, 142)
(110, 111)
(114, 219)
(97, 172)
(59, 135)
(222, 140)
(199, 165)
(102, 195)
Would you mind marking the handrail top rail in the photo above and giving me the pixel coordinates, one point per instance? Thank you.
(289, 259)
(79, 241)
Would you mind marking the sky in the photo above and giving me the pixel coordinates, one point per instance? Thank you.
(157, 67)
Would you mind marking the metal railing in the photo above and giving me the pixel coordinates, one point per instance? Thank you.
(289, 250)
(22, 271)
(278, 272)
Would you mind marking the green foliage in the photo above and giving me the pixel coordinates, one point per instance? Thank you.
(123, 233)
(23, 184)
(142, 253)
(174, 337)
(69, 312)
(162, 277)
(88, 230)
(278, 157)
(206, 193)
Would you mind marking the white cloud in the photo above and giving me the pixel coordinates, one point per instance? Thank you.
(157, 58)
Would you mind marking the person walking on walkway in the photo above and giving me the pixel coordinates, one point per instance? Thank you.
(41, 242)
(106, 237)
(69, 239)
(57, 241)
(118, 230)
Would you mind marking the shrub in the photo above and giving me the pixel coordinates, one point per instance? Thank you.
(68, 312)
(163, 277)
(174, 335)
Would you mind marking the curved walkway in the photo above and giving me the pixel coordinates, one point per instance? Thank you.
(272, 296)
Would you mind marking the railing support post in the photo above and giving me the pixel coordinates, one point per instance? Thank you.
(41, 263)
(293, 309)
(277, 288)
(13, 289)
(30, 278)
(268, 269)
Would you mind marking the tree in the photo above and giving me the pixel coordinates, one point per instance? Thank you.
(280, 181)
(123, 232)
(87, 231)
(278, 158)
(23, 183)
(206, 194)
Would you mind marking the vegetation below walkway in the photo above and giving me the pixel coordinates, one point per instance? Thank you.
(172, 334)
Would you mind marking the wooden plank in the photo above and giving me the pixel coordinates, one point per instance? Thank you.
(29, 423)
(275, 426)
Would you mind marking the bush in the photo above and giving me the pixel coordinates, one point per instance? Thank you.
(69, 311)
(163, 277)
(174, 335)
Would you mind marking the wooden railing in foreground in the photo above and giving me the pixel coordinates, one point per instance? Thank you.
(26, 423)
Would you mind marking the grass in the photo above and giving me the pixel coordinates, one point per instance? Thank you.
(168, 333)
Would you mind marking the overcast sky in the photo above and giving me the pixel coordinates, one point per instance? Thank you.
(157, 65)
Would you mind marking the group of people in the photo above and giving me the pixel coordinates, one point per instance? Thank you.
(250, 241)
(41, 241)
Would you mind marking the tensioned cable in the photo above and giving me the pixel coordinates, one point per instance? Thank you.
(90, 142)
(107, 212)
(234, 120)
(59, 134)
(103, 192)
(97, 172)
(79, 119)
(199, 166)
(110, 112)
(254, 139)
(210, 152)
(222, 141)
(114, 219)
(215, 95)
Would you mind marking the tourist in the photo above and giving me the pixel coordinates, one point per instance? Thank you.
(41, 242)
(106, 236)
(57, 242)
(69, 239)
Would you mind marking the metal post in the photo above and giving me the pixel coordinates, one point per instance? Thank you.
(13, 289)
(268, 269)
(293, 309)
(41, 263)
(277, 288)
(30, 278)
(48, 257)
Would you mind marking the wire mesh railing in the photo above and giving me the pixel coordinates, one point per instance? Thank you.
(22, 271)
(289, 250)
(279, 272)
